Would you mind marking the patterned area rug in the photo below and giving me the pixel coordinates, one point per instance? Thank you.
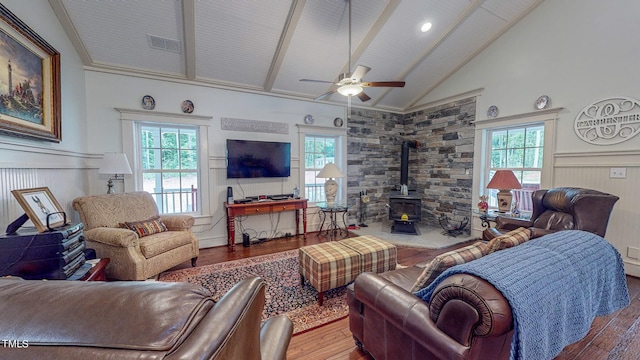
(284, 293)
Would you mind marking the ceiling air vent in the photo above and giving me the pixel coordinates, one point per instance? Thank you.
(156, 42)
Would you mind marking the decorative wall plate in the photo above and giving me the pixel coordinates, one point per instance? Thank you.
(492, 111)
(308, 119)
(543, 102)
(148, 102)
(337, 122)
(187, 106)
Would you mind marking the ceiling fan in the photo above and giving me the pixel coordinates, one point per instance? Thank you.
(351, 84)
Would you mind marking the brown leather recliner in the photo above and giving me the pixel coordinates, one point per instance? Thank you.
(562, 208)
(467, 318)
(135, 320)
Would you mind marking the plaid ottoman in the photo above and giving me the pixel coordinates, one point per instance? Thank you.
(375, 255)
(333, 264)
(328, 265)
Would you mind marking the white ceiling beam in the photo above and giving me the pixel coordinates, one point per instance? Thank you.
(295, 12)
(189, 31)
(378, 24)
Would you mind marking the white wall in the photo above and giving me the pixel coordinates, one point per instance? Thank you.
(26, 163)
(576, 52)
(106, 91)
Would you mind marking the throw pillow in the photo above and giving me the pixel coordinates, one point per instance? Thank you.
(146, 227)
(444, 261)
(510, 239)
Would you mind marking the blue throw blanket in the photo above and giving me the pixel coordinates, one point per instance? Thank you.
(556, 285)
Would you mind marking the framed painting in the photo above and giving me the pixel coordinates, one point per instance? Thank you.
(29, 82)
(41, 207)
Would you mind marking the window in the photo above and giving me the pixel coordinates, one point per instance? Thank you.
(521, 150)
(318, 147)
(169, 165)
(318, 151)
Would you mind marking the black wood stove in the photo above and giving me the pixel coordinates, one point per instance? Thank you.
(405, 204)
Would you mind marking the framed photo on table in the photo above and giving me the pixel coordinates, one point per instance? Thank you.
(40, 206)
(30, 99)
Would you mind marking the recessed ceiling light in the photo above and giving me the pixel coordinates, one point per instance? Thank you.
(426, 27)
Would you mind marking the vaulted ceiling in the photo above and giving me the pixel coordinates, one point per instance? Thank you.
(267, 46)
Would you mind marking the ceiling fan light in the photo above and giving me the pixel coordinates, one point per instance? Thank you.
(350, 90)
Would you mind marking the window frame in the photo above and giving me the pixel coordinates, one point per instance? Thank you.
(340, 134)
(140, 127)
(130, 119)
(489, 151)
(482, 147)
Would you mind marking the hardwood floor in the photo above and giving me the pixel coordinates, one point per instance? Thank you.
(611, 337)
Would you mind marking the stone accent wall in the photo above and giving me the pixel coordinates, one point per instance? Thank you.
(441, 170)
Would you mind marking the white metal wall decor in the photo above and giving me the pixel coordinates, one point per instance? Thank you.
(254, 126)
(609, 121)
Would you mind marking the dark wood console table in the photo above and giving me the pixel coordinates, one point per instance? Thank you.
(265, 207)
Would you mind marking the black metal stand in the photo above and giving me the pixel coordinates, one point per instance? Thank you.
(451, 229)
(404, 227)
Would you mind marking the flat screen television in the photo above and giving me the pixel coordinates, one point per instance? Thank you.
(258, 159)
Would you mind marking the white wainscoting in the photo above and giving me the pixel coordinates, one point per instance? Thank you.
(591, 170)
(65, 185)
(69, 175)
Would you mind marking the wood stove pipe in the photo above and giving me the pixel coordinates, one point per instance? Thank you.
(404, 160)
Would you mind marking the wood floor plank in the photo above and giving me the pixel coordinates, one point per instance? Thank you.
(613, 337)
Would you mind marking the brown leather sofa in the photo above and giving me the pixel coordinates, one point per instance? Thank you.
(467, 318)
(562, 208)
(137, 320)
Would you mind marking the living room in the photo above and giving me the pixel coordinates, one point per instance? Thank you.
(91, 125)
(575, 52)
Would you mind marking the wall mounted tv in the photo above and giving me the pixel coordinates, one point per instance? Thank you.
(258, 159)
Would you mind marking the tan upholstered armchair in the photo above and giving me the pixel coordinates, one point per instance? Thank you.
(562, 208)
(134, 257)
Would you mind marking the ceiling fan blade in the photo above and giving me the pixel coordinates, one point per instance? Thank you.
(325, 95)
(383, 84)
(318, 81)
(359, 72)
(363, 97)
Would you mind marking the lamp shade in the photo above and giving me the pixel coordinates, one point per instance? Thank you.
(504, 179)
(115, 163)
(350, 90)
(330, 171)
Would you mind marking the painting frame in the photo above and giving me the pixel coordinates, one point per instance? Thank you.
(38, 204)
(40, 116)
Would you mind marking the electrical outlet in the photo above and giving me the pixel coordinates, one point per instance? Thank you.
(633, 252)
(617, 173)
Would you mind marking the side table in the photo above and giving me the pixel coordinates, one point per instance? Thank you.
(97, 272)
(331, 212)
(490, 216)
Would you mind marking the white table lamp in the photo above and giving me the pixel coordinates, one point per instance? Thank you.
(115, 164)
(330, 171)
